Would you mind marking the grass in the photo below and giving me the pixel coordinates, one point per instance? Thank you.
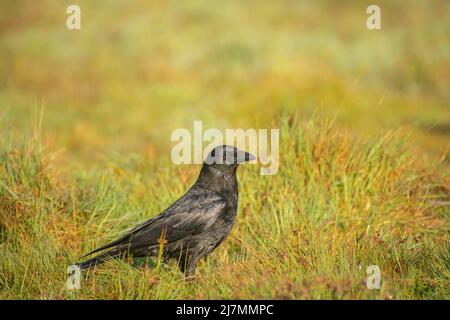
(336, 206)
(85, 123)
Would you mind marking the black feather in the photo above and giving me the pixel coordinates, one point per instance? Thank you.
(192, 227)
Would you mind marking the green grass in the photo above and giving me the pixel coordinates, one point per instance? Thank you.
(85, 123)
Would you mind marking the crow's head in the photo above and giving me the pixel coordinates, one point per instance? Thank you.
(219, 170)
(227, 156)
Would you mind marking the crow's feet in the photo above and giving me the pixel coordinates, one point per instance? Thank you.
(191, 278)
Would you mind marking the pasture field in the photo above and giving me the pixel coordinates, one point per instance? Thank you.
(364, 179)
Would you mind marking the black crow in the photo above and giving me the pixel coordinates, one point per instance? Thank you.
(194, 225)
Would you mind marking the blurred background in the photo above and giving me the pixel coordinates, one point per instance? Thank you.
(137, 70)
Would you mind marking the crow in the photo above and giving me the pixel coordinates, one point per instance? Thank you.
(194, 225)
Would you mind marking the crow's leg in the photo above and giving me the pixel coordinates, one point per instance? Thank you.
(190, 270)
(187, 265)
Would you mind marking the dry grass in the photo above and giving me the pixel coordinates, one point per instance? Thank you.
(370, 187)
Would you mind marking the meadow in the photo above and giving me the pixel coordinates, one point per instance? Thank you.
(364, 117)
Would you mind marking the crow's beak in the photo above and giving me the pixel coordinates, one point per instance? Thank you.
(249, 157)
(242, 156)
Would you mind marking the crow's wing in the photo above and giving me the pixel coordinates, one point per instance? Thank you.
(124, 239)
(190, 215)
(187, 219)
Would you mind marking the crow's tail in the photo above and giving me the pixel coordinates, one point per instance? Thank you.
(99, 259)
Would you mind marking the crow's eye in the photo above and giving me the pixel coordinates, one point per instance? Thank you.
(213, 153)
